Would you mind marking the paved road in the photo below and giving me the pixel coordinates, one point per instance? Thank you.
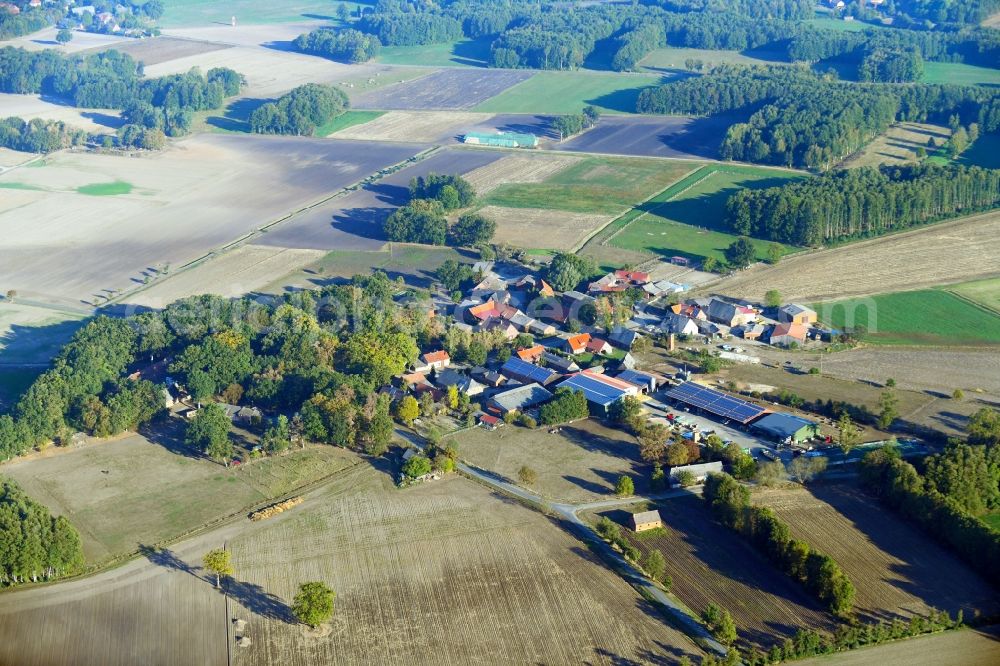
(569, 513)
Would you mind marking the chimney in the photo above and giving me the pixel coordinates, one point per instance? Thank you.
(672, 342)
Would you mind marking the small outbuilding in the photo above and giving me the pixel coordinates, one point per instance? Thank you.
(700, 472)
(794, 313)
(787, 428)
(646, 520)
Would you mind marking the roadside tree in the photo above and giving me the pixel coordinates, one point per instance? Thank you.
(219, 562)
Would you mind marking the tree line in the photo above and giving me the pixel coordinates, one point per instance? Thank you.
(23, 23)
(730, 504)
(34, 545)
(301, 111)
(38, 135)
(424, 218)
(351, 46)
(864, 202)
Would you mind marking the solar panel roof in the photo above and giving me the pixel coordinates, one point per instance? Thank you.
(602, 393)
(715, 402)
(527, 370)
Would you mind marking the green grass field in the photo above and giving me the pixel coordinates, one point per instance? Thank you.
(673, 58)
(569, 92)
(926, 317)
(958, 73)
(992, 520)
(105, 189)
(829, 23)
(347, 119)
(465, 52)
(605, 185)
(191, 13)
(687, 219)
(982, 292)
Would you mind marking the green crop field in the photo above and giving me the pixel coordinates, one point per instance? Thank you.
(673, 58)
(926, 317)
(688, 218)
(190, 13)
(605, 185)
(347, 119)
(105, 189)
(828, 23)
(569, 92)
(960, 74)
(982, 292)
(465, 52)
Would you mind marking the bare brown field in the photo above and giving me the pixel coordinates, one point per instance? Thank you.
(898, 145)
(82, 41)
(199, 195)
(543, 228)
(898, 572)
(132, 491)
(710, 563)
(415, 126)
(158, 50)
(518, 169)
(943, 253)
(970, 647)
(445, 573)
(243, 270)
(992, 21)
(29, 107)
(581, 463)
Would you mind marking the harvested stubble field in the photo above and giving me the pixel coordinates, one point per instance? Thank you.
(198, 195)
(158, 50)
(82, 41)
(11, 158)
(445, 573)
(898, 145)
(943, 253)
(982, 292)
(710, 563)
(146, 489)
(897, 570)
(416, 126)
(518, 168)
(29, 107)
(652, 136)
(539, 228)
(580, 463)
(970, 647)
(354, 221)
(448, 89)
(246, 269)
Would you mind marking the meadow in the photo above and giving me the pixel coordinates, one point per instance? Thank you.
(688, 218)
(606, 185)
(673, 58)
(569, 92)
(957, 73)
(465, 52)
(982, 292)
(345, 120)
(925, 317)
(189, 13)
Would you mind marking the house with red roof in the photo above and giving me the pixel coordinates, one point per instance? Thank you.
(531, 354)
(576, 344)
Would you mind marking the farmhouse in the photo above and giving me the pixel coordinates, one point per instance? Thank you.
(787, 428)
(690, 310)
(678, 324)
(699, 471)
(436, 360)
(520, 398)
(715, 402)
(489, 422)
(623, 337)
(501, 139)
(463, 383)
(793, 313)
(560, 364)
(601, 391)
(784, 335)
(598, 346)
(646, 520)
(729, 314)
(531, 354)
(576, 344)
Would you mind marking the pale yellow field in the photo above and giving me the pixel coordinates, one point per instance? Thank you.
(518, 169)
(898, 145)
(415, 126)
(234, 273)
(10, 158)
(942, 253)
(543, 229)
(46, 39)
(29, 107)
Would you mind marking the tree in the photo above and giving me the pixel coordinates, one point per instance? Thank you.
(720, 623)
(958, 394)
(686, 478)
(208, 431)
(804, 469)
(984, 427)
(343, 12)
(313, 603)
(277, 437)
(888, 409)
(64, 36)
(624, 487)
(219, 562)
(417, 466)
(771, 473)
(772, 298)
(655, 565)
(625, 409)
(420, 221)
(567, 270)
(774, 253)
(741, 253)
(527, 476)
(677, 454)
(408, 410)
(652, 442)
(472, 229)
(847, 433)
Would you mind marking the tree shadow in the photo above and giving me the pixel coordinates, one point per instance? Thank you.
(165, 558)
(169, 433)
(587, 485)
(103, 119)
(362, 222)
(257, 600)
(236, 117)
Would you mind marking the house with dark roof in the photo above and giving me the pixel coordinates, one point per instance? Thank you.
(526, 373)
(623, 338)
(559, 363)
(794, 313)
(462, 382)
(598, 346)
(520, 398)
(678, 324)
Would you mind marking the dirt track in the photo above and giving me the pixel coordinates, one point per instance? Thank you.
(944, 253)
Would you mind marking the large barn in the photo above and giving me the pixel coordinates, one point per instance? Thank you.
(715, 402)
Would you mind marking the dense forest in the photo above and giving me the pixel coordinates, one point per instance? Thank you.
(300, 112)
(863, 202)
(23, 23)
(346, 45)
(38, 135)
(34, 546)
(798, 118)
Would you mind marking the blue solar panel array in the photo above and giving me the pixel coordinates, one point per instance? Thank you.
(594, 389)
(527, 371)
(715, 402)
